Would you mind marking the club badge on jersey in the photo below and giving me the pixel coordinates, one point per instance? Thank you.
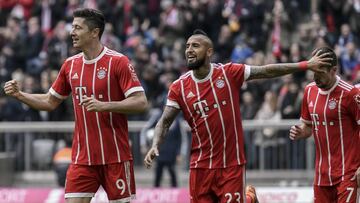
(101, 72)
(332, 104)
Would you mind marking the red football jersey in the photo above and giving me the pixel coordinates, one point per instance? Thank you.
(212, 109)
(335, 119)
(99, 137)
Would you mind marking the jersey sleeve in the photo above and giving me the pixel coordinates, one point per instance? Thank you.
(61, 87)
(305, 114)
(240, 72)
(354, 104)
(127, 78)
(174, 96)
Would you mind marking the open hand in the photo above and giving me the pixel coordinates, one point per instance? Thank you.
(318, 61)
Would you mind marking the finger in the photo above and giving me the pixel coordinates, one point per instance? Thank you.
(147, 161)
(324, 55)
(85, 101)
(314, 53)
(325, 63)
(292, 136)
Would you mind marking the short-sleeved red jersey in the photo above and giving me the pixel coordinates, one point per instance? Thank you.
(212, 109)
(99, 137)
(335, 119)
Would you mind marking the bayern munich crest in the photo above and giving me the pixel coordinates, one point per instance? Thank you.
(332, 104)
(101, 73)
(220, 83)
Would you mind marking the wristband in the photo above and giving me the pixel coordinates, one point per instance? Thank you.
(303, 65)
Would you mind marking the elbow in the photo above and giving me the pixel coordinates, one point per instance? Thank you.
(143, 105)
(49, 108)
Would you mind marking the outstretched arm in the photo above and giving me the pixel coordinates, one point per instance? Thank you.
(161, 129)
(42, 102)
(279, 69)
(300, 131)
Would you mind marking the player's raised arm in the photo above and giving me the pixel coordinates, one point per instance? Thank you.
(42, 102)
(274, 70)
(161, 129)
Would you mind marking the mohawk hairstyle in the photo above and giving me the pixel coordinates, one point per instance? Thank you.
(203, 33)
(200, 32)
(332, 55)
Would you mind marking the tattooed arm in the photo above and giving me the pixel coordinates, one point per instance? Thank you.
(279, 69)
(161, 129)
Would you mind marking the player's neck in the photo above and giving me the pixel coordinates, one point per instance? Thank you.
(331, 84)
(92, 51)
(202, 72)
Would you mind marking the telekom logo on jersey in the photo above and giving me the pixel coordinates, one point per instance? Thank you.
(316, 121)
(201, 107)
(81, 92)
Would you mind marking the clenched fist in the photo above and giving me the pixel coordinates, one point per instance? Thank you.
(11, 88)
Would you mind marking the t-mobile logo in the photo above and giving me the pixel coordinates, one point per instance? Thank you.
(80, 93)
(201, 107)
(315, 119)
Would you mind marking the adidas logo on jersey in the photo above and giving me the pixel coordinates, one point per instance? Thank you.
(311, 104)
(75, 76)
(190, 95)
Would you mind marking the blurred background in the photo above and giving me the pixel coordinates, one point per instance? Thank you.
(34, 42)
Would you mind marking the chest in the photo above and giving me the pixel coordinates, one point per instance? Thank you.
(90, 79)
(327, 109)
(213, 95)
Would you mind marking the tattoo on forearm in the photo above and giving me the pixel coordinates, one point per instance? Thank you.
(273, 70)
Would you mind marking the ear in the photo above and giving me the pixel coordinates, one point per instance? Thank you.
(95, 32)
(210, 52)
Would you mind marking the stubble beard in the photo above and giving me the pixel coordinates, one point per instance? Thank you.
(196, 65)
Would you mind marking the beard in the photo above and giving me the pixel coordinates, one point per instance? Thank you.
(196, 65)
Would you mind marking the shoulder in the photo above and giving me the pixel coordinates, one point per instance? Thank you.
(71, 58)
(345, 86)
(116, 56)
(185, 76)
(310, 86)
(182, 79)
(229, 65)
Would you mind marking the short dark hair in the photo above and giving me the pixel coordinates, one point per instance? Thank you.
(199, 32)
(203, 33)
(331, 52)
(93, 18)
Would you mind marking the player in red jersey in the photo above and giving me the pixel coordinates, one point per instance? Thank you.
(208, 96)
(104, 87)
(331, 112)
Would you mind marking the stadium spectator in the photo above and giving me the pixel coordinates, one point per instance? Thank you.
(208, 97)
(331, 112)
(104, 88)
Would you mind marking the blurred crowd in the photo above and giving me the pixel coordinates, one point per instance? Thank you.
(34, 41)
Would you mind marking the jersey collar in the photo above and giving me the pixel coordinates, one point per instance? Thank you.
(204, 79)
(97, 58)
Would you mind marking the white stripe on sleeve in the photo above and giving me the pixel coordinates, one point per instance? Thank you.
(134, 89)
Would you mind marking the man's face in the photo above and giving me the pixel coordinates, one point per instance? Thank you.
(196, 52)
(324, 80)
(80, 33)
